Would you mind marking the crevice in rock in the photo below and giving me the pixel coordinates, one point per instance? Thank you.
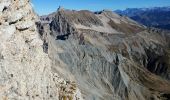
(1, 57)
(10, 23)
(81, 39)
(117, 60)
(4, 9)
(14, 22)
(11, 75)
(22, 29)
(167, 96)
(45, 47)
(62, 37)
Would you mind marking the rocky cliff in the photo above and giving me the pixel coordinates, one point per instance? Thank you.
(25, 70)
(111, 57)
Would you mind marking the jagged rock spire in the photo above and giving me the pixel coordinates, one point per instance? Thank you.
(60, 8)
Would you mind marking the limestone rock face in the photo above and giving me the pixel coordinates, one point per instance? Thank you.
(111, 57)
(25, 70)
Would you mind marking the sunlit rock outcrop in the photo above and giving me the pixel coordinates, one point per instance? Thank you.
(25, 70)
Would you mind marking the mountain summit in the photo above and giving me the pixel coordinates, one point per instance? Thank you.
(111, 57)
(80, 55)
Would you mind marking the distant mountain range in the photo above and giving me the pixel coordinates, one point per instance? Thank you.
(158, 17)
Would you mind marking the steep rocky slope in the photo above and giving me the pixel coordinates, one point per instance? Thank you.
(25, 70)
(110, 57)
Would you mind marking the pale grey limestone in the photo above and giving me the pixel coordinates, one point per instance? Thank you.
(25, 70)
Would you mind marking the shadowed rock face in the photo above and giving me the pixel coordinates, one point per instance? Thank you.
(110, 57)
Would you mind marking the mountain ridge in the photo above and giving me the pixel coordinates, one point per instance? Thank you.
(124, 63)
(80, 55)
(149, 16)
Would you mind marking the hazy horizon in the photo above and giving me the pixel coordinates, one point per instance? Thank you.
(46, 7)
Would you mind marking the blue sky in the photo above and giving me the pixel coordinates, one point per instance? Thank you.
(43, 7)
